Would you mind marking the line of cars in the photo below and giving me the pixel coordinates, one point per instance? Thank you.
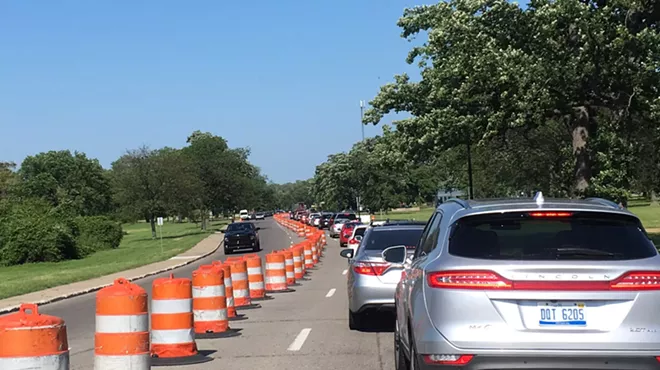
(513, 284)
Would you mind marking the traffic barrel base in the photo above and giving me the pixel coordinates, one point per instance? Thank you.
(238, 317)
(287, 290)
(264, 298)
(178, 361)
(229, 333)
(250, 306)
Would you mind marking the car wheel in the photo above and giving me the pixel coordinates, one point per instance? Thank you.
(400, 360)
(354, 320)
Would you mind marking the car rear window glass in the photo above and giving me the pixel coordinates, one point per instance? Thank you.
(360, 231)
(522, 236)
(381, 239)
(350, 216)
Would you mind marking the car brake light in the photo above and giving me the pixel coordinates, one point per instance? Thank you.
(551, 214)
(370, 268)
(353, 241)
(636, 280)
(456, 360)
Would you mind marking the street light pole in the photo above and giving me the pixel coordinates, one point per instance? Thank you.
(362, 117)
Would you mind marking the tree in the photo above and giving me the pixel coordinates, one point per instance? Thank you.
(489, 67)
(67, 180)
(7, 178)
(154, 183)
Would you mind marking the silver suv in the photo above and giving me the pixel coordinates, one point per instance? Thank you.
(372, 280)
(529, 284)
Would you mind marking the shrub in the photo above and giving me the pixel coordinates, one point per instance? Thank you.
(31, 230)
(96, 233)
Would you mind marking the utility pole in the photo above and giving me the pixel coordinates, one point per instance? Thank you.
(362, 117)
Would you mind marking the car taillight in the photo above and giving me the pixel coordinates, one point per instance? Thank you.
(370, 268)
(456, 360)
(467, 280)
(637, 280)
(481, 280)
(353, 241)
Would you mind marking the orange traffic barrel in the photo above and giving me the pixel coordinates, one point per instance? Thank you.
(239, 280)
(298, 256)
(229, 292)
(289, 268)
(172, 327)
(30, 340)
(256, 278)
(309, 259)
(276, 273)
(210, 303)
(301, 230)
(122, 327)
(315, 256)
(233, 259)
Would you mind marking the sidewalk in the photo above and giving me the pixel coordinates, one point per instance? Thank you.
(199, 251)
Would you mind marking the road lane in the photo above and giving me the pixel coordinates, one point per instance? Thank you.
(269, 335)
(79, 312)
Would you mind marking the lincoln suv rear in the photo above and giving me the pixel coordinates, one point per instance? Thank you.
(529, 284)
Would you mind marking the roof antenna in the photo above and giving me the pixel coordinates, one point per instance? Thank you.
(538, 198)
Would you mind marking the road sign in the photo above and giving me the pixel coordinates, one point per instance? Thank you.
(160, 221)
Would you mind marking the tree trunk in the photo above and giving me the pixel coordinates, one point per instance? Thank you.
(204, 217)
(580, 136)
(152, 221)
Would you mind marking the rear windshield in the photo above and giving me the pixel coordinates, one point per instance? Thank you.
(344, 216)
(381, 239)
(360, 231)
(571, 236)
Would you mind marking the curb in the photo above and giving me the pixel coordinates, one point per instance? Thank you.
(9, 309)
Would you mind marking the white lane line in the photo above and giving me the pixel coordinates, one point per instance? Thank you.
(331, 293)
(344, 272)
(300, 340)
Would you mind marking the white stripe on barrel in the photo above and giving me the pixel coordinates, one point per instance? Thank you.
(275, 279)
(51, 362)
(171, 306)
(275, 266)
(177, 336)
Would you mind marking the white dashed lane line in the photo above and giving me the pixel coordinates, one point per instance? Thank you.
(331, 293)
(300, 340)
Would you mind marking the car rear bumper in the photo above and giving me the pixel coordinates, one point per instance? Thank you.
(367, 293)
(545, 362)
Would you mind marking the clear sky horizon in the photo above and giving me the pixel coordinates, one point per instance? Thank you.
(284, 78)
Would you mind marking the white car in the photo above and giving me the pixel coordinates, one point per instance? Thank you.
(356, 237)
(244, 214)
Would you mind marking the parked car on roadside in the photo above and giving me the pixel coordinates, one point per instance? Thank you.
(529, 284)
(372, 280)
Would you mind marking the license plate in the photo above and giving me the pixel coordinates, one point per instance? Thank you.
(562, 314)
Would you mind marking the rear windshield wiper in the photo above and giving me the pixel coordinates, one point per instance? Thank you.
(583, 252)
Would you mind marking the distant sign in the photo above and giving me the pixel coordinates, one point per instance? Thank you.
(160, 221)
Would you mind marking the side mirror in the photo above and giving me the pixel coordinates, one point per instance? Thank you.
(222, 231)
(358, 238)
(395, 254)
(257, 228)
(346, 253)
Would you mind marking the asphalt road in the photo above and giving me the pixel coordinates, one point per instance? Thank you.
(305, 329)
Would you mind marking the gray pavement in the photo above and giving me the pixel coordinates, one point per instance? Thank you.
(271, 332)
(271, 336)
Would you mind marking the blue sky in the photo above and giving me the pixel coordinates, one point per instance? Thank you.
(102, 77)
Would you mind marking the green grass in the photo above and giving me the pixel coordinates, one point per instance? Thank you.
(136, 249)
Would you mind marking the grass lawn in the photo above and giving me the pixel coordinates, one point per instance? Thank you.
(136, 249)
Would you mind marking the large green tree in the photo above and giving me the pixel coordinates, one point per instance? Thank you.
(489, 67)
(67, 180)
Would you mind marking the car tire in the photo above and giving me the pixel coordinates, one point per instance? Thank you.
(355, 321)
(400, 360)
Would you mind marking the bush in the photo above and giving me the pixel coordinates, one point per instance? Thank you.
(96, 233)
(31, 230)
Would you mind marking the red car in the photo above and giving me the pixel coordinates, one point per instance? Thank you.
(346, 232)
